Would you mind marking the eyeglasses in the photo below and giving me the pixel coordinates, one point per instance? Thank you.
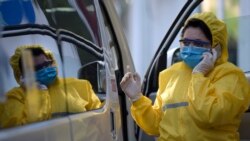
(197, 43)
(43, 65)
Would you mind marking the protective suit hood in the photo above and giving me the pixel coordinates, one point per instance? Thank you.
(218, 30)
(14, 60)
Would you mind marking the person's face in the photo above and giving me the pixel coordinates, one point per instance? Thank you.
(41, 61)
(194, 36)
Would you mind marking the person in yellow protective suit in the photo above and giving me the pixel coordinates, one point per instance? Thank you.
(201, 98)
(55, 96)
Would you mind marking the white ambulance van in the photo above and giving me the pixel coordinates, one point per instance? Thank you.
(88, 42)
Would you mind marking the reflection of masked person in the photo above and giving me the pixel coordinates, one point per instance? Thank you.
(53, 100)
(45, 68)
(208, 95)
(46, 76)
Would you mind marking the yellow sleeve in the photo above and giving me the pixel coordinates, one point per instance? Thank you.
(219, 101)
(94, 102)
(86, 92)
(13, 113)
(15, 109)
(142, 110)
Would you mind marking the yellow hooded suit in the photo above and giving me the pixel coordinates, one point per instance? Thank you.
(51, 102)
(194, 107)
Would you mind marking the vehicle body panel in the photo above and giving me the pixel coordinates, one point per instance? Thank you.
(103, 45)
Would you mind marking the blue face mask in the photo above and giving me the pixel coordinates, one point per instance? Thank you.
(46, 76)
(192, 55)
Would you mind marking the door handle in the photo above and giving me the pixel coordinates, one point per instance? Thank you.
(112, 122)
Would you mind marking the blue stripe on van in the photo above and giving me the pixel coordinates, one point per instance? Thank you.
(174, 105)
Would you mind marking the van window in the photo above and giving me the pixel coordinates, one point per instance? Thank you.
(74, 44)
(62, 14)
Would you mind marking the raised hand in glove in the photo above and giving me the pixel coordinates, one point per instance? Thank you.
(27, 84)
(208, 61)
(131, 86)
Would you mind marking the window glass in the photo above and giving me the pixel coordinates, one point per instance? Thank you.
(70, 72)
(9, 43)
(21, 87)
(84, 63)
(62, 14)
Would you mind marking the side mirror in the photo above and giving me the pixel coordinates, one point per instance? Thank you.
(94, 72)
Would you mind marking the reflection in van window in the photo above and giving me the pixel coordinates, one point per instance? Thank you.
(41, 94)
(61, 14)
(82, 62)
